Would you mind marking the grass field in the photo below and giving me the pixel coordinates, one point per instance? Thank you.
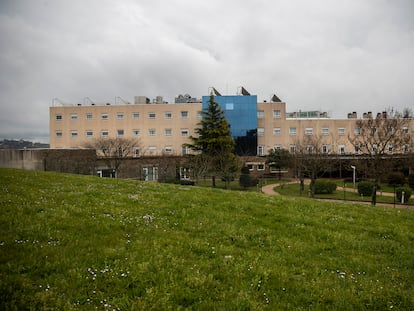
(70, 242)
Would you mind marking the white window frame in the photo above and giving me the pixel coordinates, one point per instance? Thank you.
(168, 115)
(73, 116)
(185, 114)
(59, 134)
(58, 117)
(152, 132)
(341, 131)
(120, 133)
(341, 149)
(277, 131)
(168, 132)
(260, 131)
(136, 132)
(89, 116)
(135, 116)
(152, 115)
(309, 131)
(104, 117)
(277, 114)
(135, 152)
(120, 116)
(168, 149)
(260, 114)
(292, 131)
(185, 132)
(325, 131)
(104, 133)
(260, 150)
(74, 134)
(89, 133)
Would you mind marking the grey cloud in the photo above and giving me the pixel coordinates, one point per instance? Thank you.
(336, 56)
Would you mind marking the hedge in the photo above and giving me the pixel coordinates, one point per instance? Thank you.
(324, 187)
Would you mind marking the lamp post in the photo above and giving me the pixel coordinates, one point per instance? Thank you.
(353, 174)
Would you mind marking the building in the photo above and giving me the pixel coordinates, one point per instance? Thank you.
(163, 128)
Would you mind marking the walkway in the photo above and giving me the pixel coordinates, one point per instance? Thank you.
(269, 190)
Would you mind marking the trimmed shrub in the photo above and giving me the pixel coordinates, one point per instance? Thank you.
(407, 194)
(411, 181)
(324, 187)
(396, 178)
(365, 188)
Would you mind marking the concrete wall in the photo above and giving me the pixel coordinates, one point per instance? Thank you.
(28, 159)
(59, 160)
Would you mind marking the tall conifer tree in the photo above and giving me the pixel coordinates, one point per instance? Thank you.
(214, 141)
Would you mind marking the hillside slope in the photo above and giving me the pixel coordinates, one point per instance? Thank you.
(80, 242)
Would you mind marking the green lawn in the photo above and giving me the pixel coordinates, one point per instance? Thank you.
(293, 190)
(70, 242)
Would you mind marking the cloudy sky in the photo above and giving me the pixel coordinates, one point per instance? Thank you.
(332, 55)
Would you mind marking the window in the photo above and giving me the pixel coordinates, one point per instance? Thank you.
(58, 134)
(120, 116)
(89, 134)
(152, 150)
(341, 149)
(358, 149)
(120, 133)
(184, 132)
(292, 131)
(325, 149)
(277, 147)
(277, 131)
(260, 131)
(357, 131)
(73, 116)
(150, 173)
(185, 172)
(341, 131)
(135, 152)
(104, 133)
(373, 131)
(406, 148)
(325, 131)
(136, 132)
(152, 115)
(405, 130)
(168, 132)
(260, 167)
(135, 115)
(292, 149)
(152, 132)
(89, 117)
(58, 117)
(229, 106)
(309, 149)
(184, 150)
(260, 150)
(250, 167)
(390, 150)
(309, 131)
(276, 114)
(260, 114)
(374, 149)
(199, 115)
(104, 117)
(74, 134)
(184, 114)
(168, 149)
(168, 115)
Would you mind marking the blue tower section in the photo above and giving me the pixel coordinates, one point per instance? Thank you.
(241, 113)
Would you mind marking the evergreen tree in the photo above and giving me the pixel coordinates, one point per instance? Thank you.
(214, 141)
(279, 158)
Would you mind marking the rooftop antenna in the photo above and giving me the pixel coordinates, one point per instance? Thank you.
(90, 101)
(57, 100)
(124, 101)
(213, 91)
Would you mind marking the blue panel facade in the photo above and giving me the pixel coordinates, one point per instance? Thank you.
(241, 113)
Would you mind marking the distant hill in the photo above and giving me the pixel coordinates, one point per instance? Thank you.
(20, 144)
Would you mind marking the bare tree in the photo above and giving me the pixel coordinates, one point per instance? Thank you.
(380, 138)
(113, 150)
(312, 159)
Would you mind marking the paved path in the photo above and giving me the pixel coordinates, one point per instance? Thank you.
(269, 190)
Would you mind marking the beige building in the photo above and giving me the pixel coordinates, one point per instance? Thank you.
(163, 128)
